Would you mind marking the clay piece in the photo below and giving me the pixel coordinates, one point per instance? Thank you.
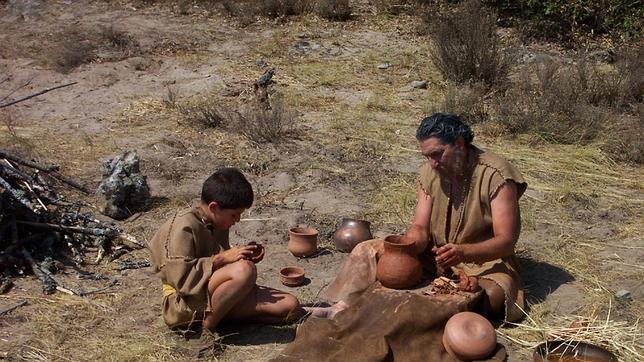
(350, 233)
(123, 190)
(571, 351)
(303, 241)
(292, 276)
(469, 336)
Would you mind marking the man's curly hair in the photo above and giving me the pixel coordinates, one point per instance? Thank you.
(447, 127)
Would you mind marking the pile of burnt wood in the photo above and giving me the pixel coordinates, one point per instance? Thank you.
(43, 231)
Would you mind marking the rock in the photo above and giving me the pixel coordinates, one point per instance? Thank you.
(123, 189)
(624, 295)
(303, 47)
(419, 84)
(385, 65)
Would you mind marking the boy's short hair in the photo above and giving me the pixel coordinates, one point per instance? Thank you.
(229, 188)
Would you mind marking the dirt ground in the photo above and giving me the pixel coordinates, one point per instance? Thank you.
(351, 153)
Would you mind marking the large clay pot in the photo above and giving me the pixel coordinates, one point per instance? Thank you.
(303, 241)
(469, 336)
(398, 267)
(350, 233)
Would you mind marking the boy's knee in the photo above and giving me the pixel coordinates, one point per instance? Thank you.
(245, 269)
(290, 307)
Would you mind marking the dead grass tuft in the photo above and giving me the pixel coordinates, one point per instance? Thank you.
(621, 337)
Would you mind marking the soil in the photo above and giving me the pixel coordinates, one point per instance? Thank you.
(353, 137)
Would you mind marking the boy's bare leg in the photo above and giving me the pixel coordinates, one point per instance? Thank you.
(267, 305)
(229, 285)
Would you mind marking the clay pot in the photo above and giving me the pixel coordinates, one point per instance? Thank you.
(571, 351)
(292, 276)
(258, 253)
(469, 336)
(350, 233)
(398, 267)
(303, 241)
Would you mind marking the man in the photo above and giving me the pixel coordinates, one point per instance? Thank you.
(467, 216)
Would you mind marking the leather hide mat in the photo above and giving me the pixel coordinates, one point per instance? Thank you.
(383, 325)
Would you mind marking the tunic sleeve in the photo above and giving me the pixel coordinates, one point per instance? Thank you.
(188, 274)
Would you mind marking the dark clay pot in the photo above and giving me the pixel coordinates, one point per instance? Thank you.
(303, 241)
(350, 233)
(398, 267)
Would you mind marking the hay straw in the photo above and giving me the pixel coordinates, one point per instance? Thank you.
(622, 338)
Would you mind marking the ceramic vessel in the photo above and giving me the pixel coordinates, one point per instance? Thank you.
(258, 254)
(303, 241)
(292, 276)
(398, 267)
(350, 233)
(569, 351)
(469, 336)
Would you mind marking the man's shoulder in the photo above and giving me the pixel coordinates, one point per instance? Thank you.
(490, 159)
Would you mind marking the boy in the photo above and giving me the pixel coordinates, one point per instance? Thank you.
(204, 278)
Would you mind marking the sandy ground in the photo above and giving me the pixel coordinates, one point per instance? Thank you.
(351, 150)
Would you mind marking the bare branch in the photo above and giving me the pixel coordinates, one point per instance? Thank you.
(36, 94)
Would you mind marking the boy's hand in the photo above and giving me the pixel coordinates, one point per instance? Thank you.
(236, 253)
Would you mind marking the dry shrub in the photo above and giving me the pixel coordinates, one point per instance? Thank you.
(264, 125)
(267, 8)
(396, 7)
(119, 40)
(466, 46)
(203, 114)
(339, 10)
(467, 101)
(624, 142)
(71, 49)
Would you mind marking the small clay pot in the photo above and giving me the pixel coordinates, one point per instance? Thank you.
(303, 241)
(469, 336)
(398, 267)
(292, 276)
(258, 253)
(350, 233)
(571, 351)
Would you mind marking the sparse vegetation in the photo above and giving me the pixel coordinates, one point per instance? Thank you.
(72, 48)
(465, 44)
(264, 125)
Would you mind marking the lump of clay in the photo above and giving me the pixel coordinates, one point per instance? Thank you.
(123, 189)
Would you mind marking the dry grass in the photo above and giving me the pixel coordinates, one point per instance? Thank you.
(622, 338)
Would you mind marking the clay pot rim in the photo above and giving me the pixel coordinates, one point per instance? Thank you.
(303, 230)
(401, 240)
(260, 255)
(570, 348)
(292, 272)
(367, 222)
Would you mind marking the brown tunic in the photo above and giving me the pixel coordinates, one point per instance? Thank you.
(181, 252)
(471, 220)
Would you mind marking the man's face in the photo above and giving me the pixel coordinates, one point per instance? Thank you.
(224, 219)
(448, 159)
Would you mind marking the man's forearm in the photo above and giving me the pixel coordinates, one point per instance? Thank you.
(420, 237)
(488, 250)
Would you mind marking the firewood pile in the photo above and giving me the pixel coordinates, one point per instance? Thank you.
(41, 230)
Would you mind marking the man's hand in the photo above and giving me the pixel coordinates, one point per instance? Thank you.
(236, 253)
(449, 255)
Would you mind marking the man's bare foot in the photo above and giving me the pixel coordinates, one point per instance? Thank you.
(326, 312)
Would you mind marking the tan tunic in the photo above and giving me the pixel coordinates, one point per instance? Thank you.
(471, 221)
(181, 253)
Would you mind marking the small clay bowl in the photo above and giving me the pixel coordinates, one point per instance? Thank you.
(258, 253)
(571, 351)
(292, 276)
(469, 336)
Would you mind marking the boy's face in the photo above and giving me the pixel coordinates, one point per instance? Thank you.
(224, 219)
